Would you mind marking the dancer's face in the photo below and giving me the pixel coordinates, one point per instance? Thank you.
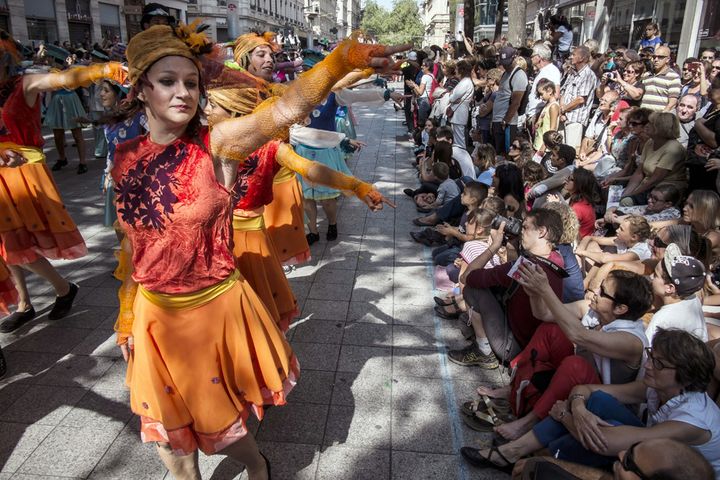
(173, 91)
(262, 62)
(108, 98)
(215, 113)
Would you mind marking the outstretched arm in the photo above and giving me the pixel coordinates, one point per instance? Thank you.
(235, 139)
(318, 173)
(71, 79)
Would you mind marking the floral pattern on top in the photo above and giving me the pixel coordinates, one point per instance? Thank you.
(145, 194)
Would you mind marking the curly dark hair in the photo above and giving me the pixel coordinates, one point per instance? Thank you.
(692, 359)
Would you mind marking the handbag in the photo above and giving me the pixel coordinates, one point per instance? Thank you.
(449, 111)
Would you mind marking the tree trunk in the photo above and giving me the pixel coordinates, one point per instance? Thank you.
(516, 22)
(499, 19)
(469, 19)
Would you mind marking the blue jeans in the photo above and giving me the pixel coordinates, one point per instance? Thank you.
(445, 255)
(555, 437)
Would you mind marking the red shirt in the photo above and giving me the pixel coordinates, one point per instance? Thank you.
(518, 311)
(175, 214)
(253, 187)
(19, 123)
(585, 213)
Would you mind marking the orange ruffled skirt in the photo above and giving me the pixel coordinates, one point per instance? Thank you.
(285, 221)
(259, 264)
(198, 372)
(8, 294)
(33, 219)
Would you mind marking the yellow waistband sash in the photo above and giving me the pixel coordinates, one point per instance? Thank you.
(283, 175)
(31, 154)
(248, 223)
(193, 299)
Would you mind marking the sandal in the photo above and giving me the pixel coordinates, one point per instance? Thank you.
(473, 456)
(483, 403)
(441, 302)
(486, 421)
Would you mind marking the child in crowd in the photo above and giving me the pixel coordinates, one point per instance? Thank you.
(630, 245)
(447, 190)
(584, 192)
(532, 174)
(549, 117)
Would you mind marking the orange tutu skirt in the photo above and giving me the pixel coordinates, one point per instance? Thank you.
(33, 219)
(8, 294)
(285, 222)
(198, 372)
(257, 261)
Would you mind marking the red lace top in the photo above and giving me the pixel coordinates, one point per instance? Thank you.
(175, 214)
(253, 186)
(19, 123)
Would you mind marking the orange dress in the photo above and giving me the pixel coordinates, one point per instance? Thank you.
(33, 220)
(207, 351)
(285, 219)
(255, 253)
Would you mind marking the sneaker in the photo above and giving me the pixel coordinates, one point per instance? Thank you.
(471, 355)
(63, 304)
(58, 165)
(420, 238)
(82, 168)
(312, 238)
(331, 233)
(17, 320)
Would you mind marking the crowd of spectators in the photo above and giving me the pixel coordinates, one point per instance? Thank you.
(571, 200)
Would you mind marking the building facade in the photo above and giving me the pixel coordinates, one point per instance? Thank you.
(436, 19)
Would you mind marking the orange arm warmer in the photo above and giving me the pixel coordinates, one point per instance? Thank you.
(83, 76)
(318, 173)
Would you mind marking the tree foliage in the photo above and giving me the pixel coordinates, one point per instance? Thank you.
(400, 25)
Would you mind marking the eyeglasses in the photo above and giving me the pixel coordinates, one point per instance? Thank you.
(659, 243)
(656, 362)
(629, 71)
(604, 294)
(628, 463)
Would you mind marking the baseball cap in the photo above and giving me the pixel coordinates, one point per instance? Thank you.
(507, 54)
(686, 273)
(412, 56)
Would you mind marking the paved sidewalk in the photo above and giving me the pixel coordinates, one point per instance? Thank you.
(376, 398)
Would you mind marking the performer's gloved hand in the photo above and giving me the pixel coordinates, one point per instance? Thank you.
(11, 158)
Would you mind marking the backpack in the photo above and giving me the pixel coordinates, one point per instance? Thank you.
(526, 95)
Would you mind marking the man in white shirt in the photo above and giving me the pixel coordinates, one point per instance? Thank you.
(542, 62)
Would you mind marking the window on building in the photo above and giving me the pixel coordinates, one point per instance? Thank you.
(110, 21)
(79, 22)
(41, 21)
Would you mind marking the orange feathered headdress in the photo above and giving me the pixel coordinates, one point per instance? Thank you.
(248, 42)
(161, 41)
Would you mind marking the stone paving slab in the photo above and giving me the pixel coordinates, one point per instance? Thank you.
(376, 399)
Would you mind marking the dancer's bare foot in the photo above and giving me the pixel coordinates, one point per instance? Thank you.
(516, 429)
(502, 392)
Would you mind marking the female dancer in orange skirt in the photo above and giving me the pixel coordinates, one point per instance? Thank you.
(34, 224)
(206, 351)
(254, 250)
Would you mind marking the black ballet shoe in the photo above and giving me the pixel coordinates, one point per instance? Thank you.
(17, 320)
(82, 168)
(64, 304)
(59, 164)
(332, 233)
(312, 238)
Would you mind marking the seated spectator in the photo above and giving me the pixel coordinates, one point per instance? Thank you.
(594, 424)
(508, 185)
(660, 458)
(532, 174)
(484, 158)
(551, 139)
(504, 332)
(703, 139)
(563, 162)
(694, 80)
(701, 212)
(607, 333)
(471, 249)
(662, 160)
(584, 193)
(660, 211)
(630, 245)
(676, 281)
(447, 190)
(686, 112)
(520, 152)
(442, 153)
(626, 145)
(573, 287)
(595, 143)
(459, 154)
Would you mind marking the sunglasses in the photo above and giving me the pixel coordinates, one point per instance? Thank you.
(604, 294)
(656, 362)
(628, 463)
(659, 243)
(657, 57)
(716, 68)
(516, 146)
